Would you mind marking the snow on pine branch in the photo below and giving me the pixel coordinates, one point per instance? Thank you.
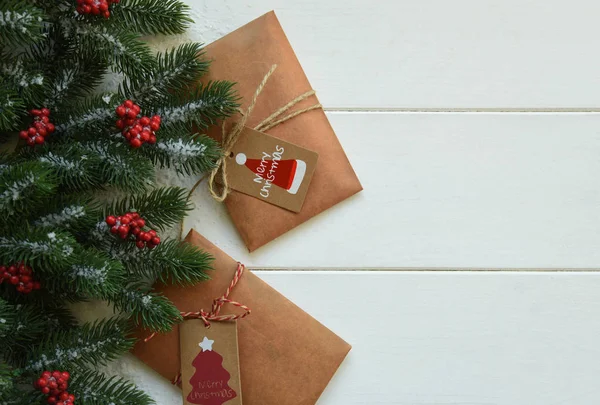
(17, 73)
(22, 21)
(180, 151)
(63, 218)
(47, 246)
(60, 162)
(14, 190)
(94, 116)
(183, 113)
(93, 274)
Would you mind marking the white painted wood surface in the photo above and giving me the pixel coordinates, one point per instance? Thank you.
(511, 183)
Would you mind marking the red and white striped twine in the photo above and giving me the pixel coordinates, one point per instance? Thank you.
(213, 315)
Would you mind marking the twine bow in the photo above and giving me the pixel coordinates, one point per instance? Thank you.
(229, 139)
(218, 303)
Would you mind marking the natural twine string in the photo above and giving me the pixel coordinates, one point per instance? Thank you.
(214, 314)
(229, 139)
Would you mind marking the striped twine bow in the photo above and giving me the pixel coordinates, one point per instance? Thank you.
(218, 303)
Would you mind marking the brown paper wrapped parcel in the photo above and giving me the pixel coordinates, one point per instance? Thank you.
(245, 56)
(286, 356)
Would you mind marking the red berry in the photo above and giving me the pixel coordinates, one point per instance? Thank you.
(156, 118)
(39, 140)
(46, 390)
(51, 400)
(23, 135)
(52, 385)
(30, 142)
(36, 285)
(31, 131)
(136, 143)
(128, 103)
(152, 232)
(106, 14)
(114, 229)
(25, 279)
(46, 374)
(45, 112)
(42, 132)
(145, 236)
(145, 136)
(14, 280)
(50, 127)
(35, 112)
(87, 9)
(140, 244)
(12, 269)
(145, 121)
(121, 111)
(123, 228)
(66, 375)
(63, 396)
(111, 220)
(141, 222)
(131, 113)
(154, 126)
(155, 240)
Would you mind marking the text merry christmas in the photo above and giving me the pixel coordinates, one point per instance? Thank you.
(266, 170)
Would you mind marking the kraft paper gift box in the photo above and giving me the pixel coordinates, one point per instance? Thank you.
(245, 56)
(286, 356)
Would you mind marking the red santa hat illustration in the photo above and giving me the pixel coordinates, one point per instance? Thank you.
(288, 173)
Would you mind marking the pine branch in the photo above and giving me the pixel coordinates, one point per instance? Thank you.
(92, 115)
(169, 262)
(20, 23)
(122, 48)
(202, 108)
(11, 108)
(93, 275)
(177, 69)
(75, 168)
(153, 16)
(185, 154)
(7, 319)
(120, 166)
(24, 77)
(73, 79)
(23, 187)
(91, 344)
(94, 388)
(50, 252)
(150, 310)
(75, 214)
(161, 208)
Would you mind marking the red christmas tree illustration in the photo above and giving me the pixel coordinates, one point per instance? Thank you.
(288, 174)
(210, 381)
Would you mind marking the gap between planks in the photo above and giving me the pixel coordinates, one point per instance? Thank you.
(378, 110)
(432, 269)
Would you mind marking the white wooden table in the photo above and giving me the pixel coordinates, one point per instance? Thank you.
(474, 127)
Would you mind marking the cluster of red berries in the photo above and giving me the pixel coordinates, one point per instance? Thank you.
(132, 224)
(95, 7)
(39, 129)
(21, 276)
(54, 384)
(137, 130)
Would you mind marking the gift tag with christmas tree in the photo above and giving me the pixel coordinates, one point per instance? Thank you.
(210, 372)
(270, 169)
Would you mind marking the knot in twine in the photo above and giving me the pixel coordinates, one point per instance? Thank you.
(218, 303)
(229, 139)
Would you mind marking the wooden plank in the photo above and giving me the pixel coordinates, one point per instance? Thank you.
(432, 53)
(447, 338)
(446, 190)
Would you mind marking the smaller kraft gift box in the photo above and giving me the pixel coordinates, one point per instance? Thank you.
(286, 357)
(314, 171)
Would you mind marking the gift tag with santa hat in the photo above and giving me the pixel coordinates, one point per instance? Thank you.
(270, 169)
